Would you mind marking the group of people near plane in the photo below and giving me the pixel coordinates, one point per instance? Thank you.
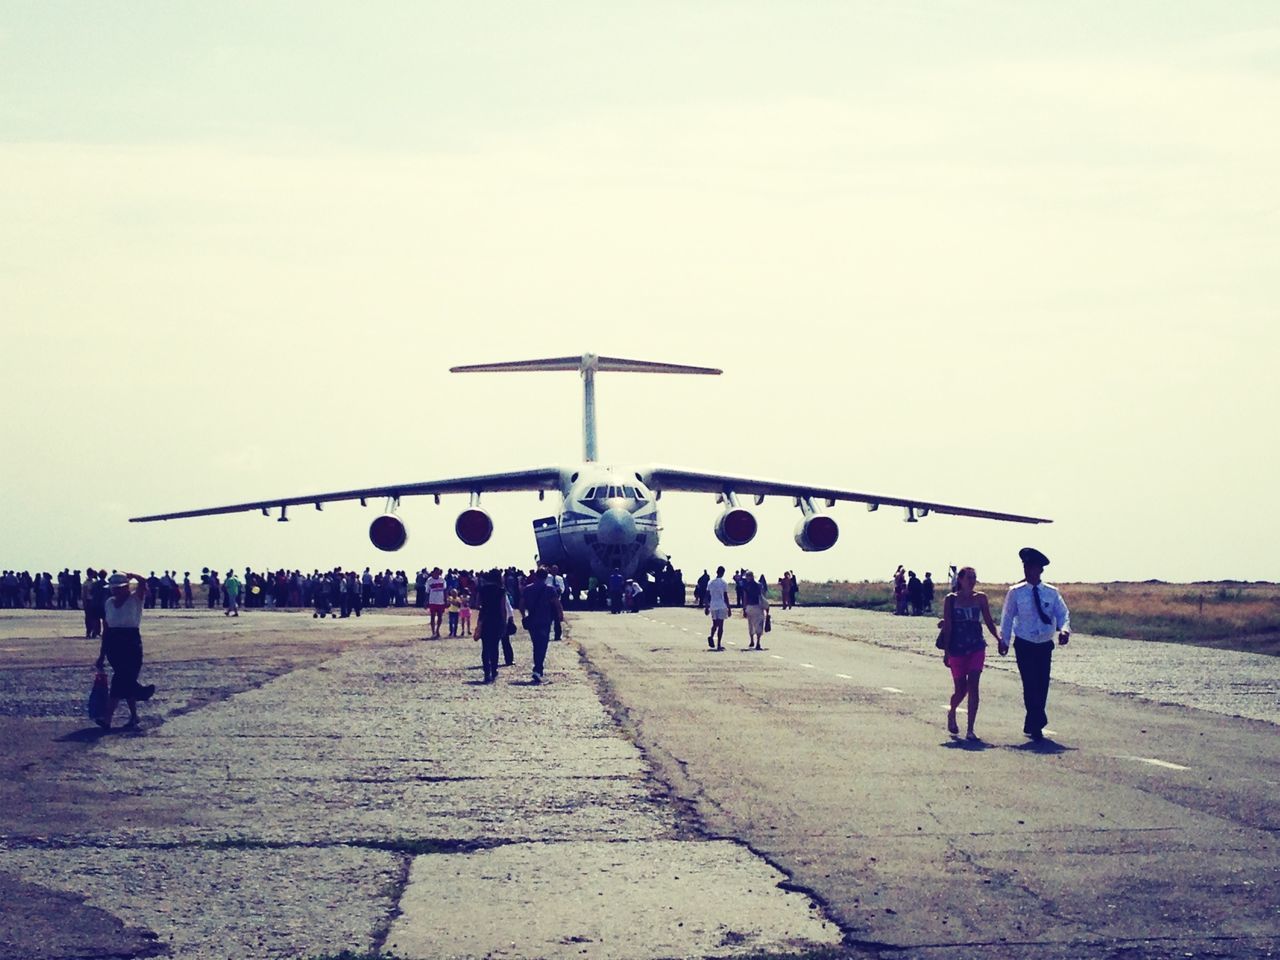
(788, 588)
(911, 595)
(21, 589)
(751, 596)
(1034, 614)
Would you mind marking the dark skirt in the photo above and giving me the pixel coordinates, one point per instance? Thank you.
(123, 646)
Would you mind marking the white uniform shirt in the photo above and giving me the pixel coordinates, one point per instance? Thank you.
(718, 595)
(558, 582)
(1019, 618)
(128, 614)
(435, 590)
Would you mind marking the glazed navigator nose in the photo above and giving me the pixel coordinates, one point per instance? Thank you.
(616, 527)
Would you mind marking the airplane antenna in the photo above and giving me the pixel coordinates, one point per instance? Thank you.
(588, 365)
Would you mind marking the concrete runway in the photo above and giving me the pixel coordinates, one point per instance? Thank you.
(1137, 829)
(301, 787)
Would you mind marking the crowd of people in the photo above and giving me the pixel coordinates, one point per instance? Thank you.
(788, 587)
(1034, 612)
(911, 595)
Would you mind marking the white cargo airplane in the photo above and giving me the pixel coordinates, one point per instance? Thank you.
(609, 516)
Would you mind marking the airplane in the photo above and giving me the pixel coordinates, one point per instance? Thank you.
(608, 516)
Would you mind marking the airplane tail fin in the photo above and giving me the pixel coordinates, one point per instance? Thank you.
(587, 365)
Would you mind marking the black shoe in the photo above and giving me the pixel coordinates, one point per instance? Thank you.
(711, 643)
(147, 692)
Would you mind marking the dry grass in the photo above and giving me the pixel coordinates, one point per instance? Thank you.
(1237, 616)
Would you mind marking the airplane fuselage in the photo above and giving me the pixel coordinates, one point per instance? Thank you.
(608, 520)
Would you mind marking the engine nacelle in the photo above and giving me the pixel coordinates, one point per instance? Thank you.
(473, 527)
(388, 533)
(817, 532)
(736, 527)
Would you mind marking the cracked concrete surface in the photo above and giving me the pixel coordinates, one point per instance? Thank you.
(304, 811)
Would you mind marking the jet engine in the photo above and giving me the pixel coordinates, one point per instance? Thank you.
(388, 532)
(473, 527)
(736, 527)
(817, 532)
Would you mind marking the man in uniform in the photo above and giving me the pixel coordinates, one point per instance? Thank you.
(1034, 612)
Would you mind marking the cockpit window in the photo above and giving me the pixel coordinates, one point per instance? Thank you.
(629, 492)
(590, 494)
(613, 493)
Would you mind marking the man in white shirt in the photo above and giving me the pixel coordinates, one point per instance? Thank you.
(1034, 613)
(436, 587)
(718, 609)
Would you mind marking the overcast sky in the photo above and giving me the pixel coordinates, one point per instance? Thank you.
(1015, 255)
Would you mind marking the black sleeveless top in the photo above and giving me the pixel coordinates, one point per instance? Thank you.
(966, 630)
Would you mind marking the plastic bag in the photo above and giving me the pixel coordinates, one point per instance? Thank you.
(97, 705)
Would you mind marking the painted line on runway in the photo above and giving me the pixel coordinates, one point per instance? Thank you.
(891, 689)
(775, 656)
(844, 676)
(808, 666)
(1158, 763)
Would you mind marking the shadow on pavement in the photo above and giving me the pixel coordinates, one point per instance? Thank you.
(1042, 746)
(956, 743)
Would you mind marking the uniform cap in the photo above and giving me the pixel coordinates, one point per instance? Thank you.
(1033, 556)
(118, 580)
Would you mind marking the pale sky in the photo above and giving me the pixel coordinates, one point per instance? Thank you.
(1014, 255)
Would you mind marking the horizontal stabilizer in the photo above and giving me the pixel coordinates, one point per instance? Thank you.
(581, 364)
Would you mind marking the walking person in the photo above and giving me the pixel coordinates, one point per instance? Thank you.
(455, 612)
(231, 588)
(493, 613)
(436, 601)
(464, 613)
(717, 595)
(92, 617)
(1034, 613)
(122, 647)
(754, 607)
(963, 615)
(540, 608)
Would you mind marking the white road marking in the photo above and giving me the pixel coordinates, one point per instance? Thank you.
(844, 676)
(1158, 763)
(808, 665)
(891, 689)
(775, 656)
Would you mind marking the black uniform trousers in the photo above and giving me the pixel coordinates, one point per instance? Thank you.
(1034, 660)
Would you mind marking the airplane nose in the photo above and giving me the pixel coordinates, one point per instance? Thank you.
(616, 527)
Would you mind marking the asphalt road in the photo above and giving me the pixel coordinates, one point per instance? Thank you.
(1138, 829)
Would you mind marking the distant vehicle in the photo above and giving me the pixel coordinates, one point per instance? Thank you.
(608, 516)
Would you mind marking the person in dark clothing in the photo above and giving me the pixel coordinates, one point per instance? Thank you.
(926, 595)
(914, 593)
(122, 647)
(539, 609)
(494, 612)
(616, 583)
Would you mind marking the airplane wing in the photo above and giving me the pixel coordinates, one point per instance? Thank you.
(669, 478)
(543, 478)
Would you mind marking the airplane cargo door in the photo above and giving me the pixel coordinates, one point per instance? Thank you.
(550, 547)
